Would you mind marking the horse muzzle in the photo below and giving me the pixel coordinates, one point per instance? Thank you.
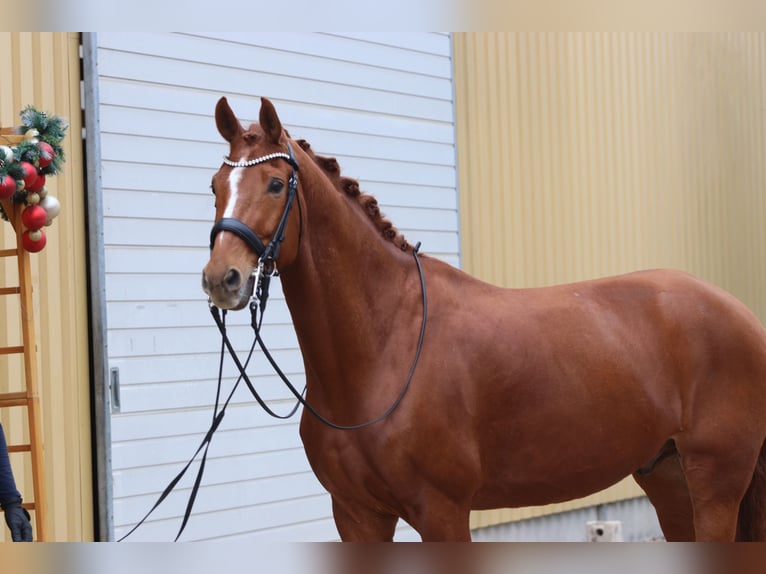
(228, 290)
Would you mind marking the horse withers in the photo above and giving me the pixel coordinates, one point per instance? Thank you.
(520, 396)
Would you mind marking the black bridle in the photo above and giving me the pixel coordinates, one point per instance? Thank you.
(266, 269)
(267, 254)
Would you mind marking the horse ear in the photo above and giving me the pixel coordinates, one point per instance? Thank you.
(269, 121)
(227, 123)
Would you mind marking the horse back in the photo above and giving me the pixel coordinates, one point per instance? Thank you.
(663, 331)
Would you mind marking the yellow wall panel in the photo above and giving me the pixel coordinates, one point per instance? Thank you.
(44, 71)
(589, 154)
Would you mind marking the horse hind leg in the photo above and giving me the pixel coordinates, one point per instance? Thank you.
(752, 514)
(664, 483)
(717, 476)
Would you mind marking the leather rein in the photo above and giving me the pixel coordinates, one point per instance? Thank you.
(265, 270)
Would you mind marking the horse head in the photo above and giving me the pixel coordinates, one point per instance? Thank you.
(254, 189)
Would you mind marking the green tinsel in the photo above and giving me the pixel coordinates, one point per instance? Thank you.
(52, 130)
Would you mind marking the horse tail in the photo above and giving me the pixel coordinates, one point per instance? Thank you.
(752, 510)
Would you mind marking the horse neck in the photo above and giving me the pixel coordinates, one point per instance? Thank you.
(344, 289)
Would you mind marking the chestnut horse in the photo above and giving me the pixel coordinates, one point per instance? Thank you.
(520, 396)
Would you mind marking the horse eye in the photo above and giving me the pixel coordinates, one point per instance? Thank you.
(276, 185)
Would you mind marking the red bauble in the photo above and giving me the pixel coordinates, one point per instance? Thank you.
(46, 154)
(33, 241)
(34, 217)
(7, 187)
(29, 174)
(36, 185)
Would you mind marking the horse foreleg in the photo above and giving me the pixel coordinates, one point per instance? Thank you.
(362, 525)
(441, 520)
(456, 529)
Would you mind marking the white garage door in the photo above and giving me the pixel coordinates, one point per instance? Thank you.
(383, 105)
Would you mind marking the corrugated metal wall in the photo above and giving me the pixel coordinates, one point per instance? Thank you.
(589, 154)
(43, 70)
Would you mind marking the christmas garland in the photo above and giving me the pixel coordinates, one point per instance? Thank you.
(24, 168)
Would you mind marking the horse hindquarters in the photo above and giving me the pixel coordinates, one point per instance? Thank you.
(752, 513)
(721, 442)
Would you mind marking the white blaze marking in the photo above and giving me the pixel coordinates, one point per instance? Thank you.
(234, 178)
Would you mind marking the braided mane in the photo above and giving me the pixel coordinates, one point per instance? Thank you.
(350, 186)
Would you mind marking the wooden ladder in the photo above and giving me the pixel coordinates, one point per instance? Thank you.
(29, 397)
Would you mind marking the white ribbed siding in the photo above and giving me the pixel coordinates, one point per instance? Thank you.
(383, 105)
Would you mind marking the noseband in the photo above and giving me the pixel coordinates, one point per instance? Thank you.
(267, 254)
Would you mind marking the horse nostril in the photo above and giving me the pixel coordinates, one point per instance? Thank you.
(204, 282)
(232, 280)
